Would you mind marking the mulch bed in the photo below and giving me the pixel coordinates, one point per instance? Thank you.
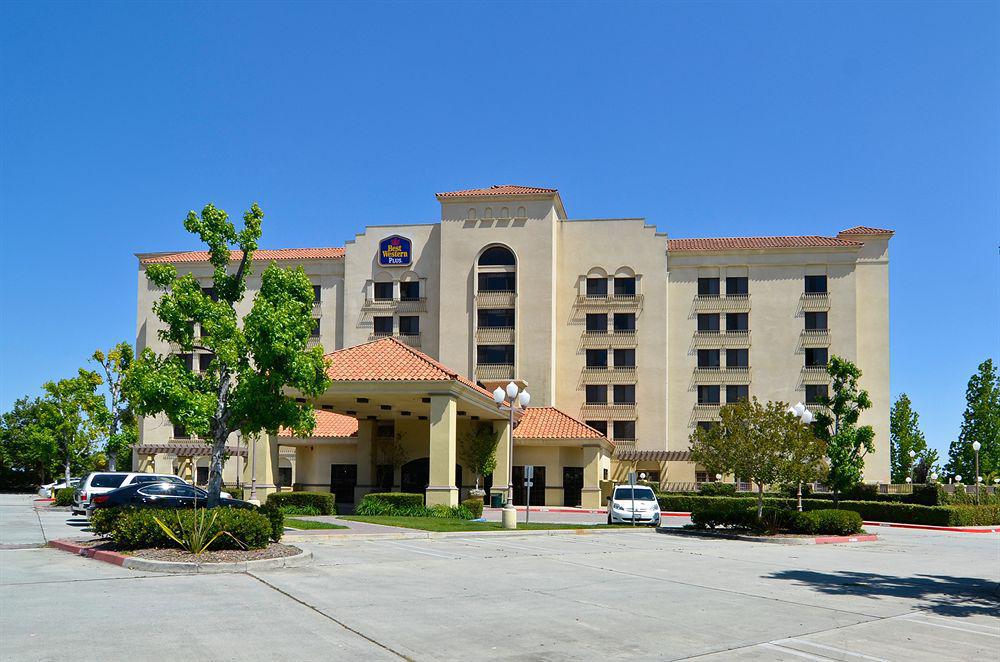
(273, 551)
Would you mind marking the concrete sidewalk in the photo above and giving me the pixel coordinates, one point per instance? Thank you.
(25, 522)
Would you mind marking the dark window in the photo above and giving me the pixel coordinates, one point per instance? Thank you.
(624, 358)
(708, 287)
(706, 425)
(191, 330)
(625, 287)
(708, 394)
(737, 286)
(382, 325)
(315, 330)
(107, 480)
(816, 322)
(624, 321)
(597, 358)
(597, 394)
(496, 318)
(624, 394)
(202, 476)
(409, 290)
(385, 430)
(284, 477)
(210, 293)
(708, 322)
(737, 392)
(383, 291)
(815, 284)
(624, 430)
(816, 357)
(495, 354)
(317, 293)
(814, 393)
(597, 322)
(409, 325)
(180, 432)
(204, 360)
(343, 480)
(737, 321)
(600, 426)
(597, 288)
(187, 360)
(737, 358)
(496, 256)
(708, 358)
(503, 281)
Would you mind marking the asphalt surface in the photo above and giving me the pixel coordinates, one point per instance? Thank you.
(915, 595)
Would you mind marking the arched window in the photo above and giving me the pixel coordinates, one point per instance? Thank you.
(497, 256)
(522, 212)
(472, 214)
(488, 212)
(504, 212)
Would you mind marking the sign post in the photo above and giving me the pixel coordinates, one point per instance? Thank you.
(631, 481)
(529, 474)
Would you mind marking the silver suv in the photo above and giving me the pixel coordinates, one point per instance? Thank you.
(101, 482)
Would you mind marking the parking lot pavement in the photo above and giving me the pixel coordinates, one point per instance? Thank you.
(22, 524)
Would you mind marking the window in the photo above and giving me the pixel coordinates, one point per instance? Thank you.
(496, 318)
(708, 358)
(597, 358)
(597, 288)
(708, 322)
(383, 291)
(597, 322)
(107, 480)
(383, 325)
(409, 325)
(409, 290)
(815, 393)
(284, 477)
(624, 358)
(210, 293)
(385, 430)
(737, 358)
(204, 360)
(708, 394)
(315, 329)
(503, 354)
(706, 425)
(496, 256)
(317, 293)
(503, 281)
(597, 394)
(624, 394)
(624, 321)
(816, 357)
(202, 476)
(737, 392)
(815, 284)
(625, 287)
(180, 432)
(600, 426)
(708, 287)
(737, 322)
(624, 430)
(737, 286)
(187, 360)
(816, 322)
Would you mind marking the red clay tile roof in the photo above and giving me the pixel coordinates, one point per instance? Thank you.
(756, 243)
(389, 360)
(329, 424)
(551, 423)
(261, 254)
(866, 231)
(503, 189)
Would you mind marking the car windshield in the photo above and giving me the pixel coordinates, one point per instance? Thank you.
(641, 494)
(107, 480)
(158, 479)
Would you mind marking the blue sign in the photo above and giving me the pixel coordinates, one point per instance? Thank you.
(395, 251)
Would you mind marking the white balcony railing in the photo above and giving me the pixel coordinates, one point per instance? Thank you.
(728, 303)
(494, 371)
(495, 335)
(609, 375)
(399, 305)
(815, 300)
(411, 339)
(629, 301)
(609, 338)
(495, 299)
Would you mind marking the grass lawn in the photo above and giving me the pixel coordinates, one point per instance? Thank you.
(293, 523)
(450, 524)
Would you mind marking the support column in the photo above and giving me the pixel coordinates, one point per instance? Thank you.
(591, 494)
(500, 476)
(147, 464)
(262, 463)
(443, 452)
(366, 441)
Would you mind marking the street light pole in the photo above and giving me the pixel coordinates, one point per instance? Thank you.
(800, 412)
(913, 454)
(976, 446)
(518, 402)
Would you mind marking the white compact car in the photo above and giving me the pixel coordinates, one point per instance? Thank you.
(641, 498)
(49, 490)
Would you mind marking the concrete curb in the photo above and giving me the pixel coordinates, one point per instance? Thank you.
(820, 540)
(896, 525)
(424, 535)
(180, 567)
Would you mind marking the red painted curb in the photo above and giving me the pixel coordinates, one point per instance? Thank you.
(44, 499)
(929, 527)
(114, 558)
(830, 540)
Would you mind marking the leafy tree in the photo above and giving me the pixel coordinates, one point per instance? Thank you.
(72, 414)
(27, 442)
(255, 360)
(762, 443)
(904, 436)
(479, 448)
(846, 442)
(925, 465)
(117, 418)
(980, 422)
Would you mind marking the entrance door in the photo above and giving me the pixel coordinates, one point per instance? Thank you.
(537, 486)
(343, 480)
(415, 475)
(572, 486)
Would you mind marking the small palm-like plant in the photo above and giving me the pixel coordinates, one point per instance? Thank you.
(197, 537)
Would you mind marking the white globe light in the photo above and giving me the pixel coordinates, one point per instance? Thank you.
(909, 480)
(996, 480)
(499, 395)
(913, 453)
(799, 408)
(976, 445)
(524, 398)
(718, 476)
(642, 476)
(512, 390)
(807, 417)
(791, 410)
(933, 475)
(979, 479)
(958, 478)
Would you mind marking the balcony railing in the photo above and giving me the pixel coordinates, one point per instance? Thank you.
(609, 375)
(629, 301)
(492, 371)
(729, 303)
(816, 374)
(815, 301)
(495, 299)
(625, 443)
(814, 336)
(400, 305)
(722, 338)
(495, 335)
(609, 338)
(615, 411)
(722, 375)
(411, 339)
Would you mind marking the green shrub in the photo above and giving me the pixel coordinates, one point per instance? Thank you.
(64, 496)
(739, 513)
(967, 497)
(293, 511)
(829, 522)
(136, 528)
(985, 515)
(474, 506)
(394, 504)
(276, 516)
(102, 520)
(717, 489)
(322, 501)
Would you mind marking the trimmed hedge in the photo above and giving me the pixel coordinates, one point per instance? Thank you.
(403, 504)
(474, 506)
(830, 522)
(276, 516)
(717, 489)
(323, 502)
(136, 528)
(741, 514)
(64, 496)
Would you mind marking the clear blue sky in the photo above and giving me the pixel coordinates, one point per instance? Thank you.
(708, 119)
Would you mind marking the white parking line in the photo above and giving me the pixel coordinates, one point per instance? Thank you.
(503, 543)
(416, 549)
(994, 628)
(842, 651)
(783, 649)
(951, 627)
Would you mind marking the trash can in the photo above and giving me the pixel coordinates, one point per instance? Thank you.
(496, 500)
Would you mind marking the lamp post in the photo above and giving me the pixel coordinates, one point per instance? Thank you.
(518, 402)
(933, 476)
(912, 454)
(976, 446)
(800, 412)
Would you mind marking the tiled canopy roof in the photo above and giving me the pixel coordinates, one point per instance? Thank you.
(756, 243)
(261, 254)
(329, 424)
(551, 423)
(389, 360)
(866, 231)
(503, 189)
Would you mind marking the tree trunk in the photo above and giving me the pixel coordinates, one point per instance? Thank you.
(219, 435)
(67, 469)
(760, 500)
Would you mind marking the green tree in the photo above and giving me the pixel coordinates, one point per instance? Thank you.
(904, 436)
(846, 442)
(73, 412)
(479, 449)
(117, 419)
(27, 442)
(927, 463)
(256, 360)
(980, 422)
(762, 443)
